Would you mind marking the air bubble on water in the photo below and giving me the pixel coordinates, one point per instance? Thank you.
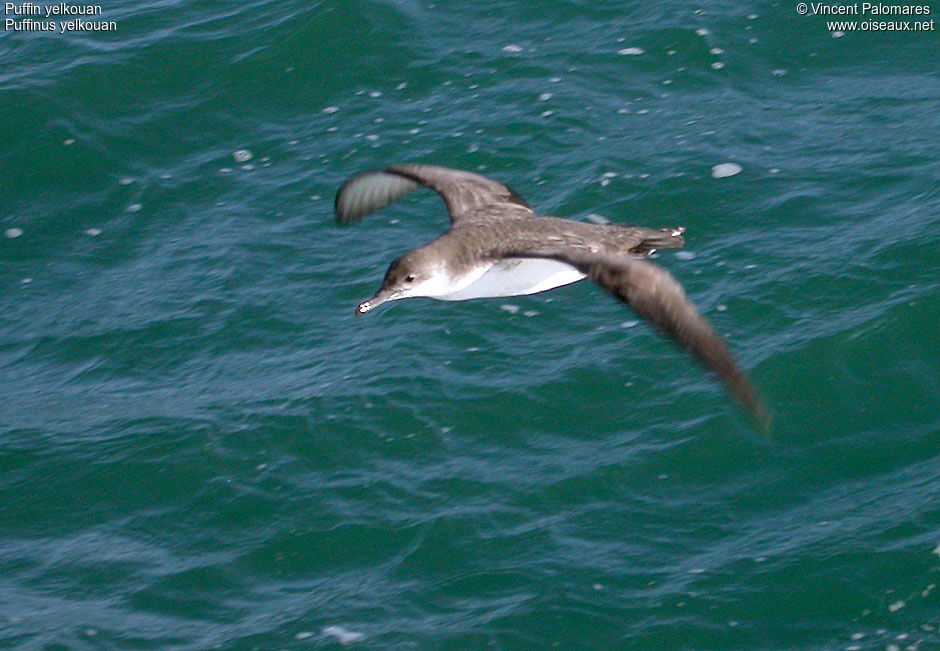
(544, 97)
(778, 72)
(594, 218)
(508, 307)
(717, 65)
(631, 51)
(530, 313)
(629, 324)
(838, 34)
(721, 307)
(717, 51)
(93, 232)
(896, 606)
(242, 155)
(685, 255)
(375, 93)
(330, 109)
(126, 180)
(701, 31)
(12, 233)
(134, 207)
(512, 48)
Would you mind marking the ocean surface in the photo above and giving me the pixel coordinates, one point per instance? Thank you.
(202, 446)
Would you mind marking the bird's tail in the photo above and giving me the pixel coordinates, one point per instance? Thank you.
(664, 238)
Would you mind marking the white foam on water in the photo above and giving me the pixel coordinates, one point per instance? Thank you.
(631, 51)
(12, 233)
(723, 170)
(343, 635)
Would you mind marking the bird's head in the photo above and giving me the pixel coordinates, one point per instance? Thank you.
(410, 275)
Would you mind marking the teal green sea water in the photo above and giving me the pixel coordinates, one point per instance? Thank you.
(202, 446)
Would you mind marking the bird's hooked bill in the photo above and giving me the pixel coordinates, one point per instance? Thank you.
(369, 305)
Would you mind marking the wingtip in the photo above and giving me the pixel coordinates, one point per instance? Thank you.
(764, 420)
(369, 191)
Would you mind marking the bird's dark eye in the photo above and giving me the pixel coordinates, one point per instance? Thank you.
(409, 278)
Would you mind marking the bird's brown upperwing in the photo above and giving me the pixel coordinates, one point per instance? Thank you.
(656, 296)
(469, 197)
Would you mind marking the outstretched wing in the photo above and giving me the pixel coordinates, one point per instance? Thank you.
(469, 197)
(659, 298)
